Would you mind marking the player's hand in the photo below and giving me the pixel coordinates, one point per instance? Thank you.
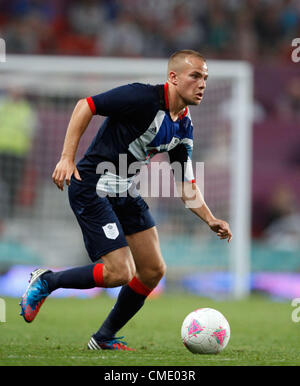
(63, 172)
(221, 228)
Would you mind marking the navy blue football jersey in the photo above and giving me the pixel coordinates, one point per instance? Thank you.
(138, 125)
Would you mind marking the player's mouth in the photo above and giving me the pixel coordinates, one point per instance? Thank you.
(199, 96)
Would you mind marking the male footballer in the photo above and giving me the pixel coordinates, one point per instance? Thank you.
(118, 230)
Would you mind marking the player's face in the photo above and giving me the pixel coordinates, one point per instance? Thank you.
(192, 80)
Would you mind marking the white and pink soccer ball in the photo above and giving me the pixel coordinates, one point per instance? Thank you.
(205, 331)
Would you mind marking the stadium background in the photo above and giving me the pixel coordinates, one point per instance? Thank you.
(259, 32)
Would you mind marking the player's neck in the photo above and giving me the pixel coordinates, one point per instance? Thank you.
(176, 104)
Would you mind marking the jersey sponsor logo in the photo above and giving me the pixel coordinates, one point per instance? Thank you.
(153, 130)
(111, 230)
(174, 142)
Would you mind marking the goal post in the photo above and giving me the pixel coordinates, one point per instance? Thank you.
(42, 219)
(241, 181)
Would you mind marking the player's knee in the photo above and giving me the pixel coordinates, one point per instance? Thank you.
(160, 270)
(128, 275)
(119, 267)
(125, 273)
(152, 275)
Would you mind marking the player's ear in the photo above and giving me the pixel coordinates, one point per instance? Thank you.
(173, 77)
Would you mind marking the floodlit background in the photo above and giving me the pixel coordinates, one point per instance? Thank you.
(37, 228)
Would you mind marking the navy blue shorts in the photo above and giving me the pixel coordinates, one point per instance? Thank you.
(105, 221)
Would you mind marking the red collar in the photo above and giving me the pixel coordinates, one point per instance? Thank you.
(166, 88)
(184, 113)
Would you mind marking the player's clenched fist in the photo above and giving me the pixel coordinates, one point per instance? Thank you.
(63, 172)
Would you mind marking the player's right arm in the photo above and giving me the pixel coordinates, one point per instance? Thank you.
(121, 101)
(79, 121)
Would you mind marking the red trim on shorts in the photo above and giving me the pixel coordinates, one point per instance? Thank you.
(166, 88)
(138, 287)
(91, 104)
(98, 275)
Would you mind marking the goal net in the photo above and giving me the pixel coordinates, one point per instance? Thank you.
(37, 226)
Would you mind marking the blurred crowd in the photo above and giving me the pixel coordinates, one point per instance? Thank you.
(235, 29)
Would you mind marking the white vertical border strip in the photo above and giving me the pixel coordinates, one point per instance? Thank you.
(2, 51)
(240, 249)
(2, 311)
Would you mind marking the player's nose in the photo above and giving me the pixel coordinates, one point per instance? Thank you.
(202, 84)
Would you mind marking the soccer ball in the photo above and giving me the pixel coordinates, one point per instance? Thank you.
(205, 331)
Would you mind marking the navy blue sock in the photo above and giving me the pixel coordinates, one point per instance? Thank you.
(129, 302)
(80, 277)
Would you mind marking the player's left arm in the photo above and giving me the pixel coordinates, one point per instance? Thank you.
(193, 199)
(181, 156)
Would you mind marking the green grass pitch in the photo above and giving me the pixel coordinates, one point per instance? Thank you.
(262, 333)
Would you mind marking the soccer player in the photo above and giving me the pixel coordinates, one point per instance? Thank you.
(118, 230)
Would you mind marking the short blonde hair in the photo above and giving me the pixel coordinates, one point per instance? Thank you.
(177, 57)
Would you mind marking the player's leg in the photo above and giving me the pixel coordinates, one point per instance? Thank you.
(149, 262)
(117, 269)
(104, 237)
(150, 268)
(142, 238)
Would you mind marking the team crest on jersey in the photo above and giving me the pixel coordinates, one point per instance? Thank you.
(111, 230)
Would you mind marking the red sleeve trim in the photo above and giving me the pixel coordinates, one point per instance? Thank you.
(91, 104)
